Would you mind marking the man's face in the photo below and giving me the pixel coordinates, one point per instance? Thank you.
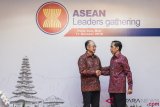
(114, 49)
(91, 47)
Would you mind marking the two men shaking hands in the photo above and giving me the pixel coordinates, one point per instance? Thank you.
(119, 72)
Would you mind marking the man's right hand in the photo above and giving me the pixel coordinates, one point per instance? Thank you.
(98, 73)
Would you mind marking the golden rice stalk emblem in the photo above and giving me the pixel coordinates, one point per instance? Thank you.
(52, 20)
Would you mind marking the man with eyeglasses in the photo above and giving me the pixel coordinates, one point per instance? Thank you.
(89, 67)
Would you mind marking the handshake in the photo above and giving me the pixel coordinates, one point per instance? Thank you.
(98, 73)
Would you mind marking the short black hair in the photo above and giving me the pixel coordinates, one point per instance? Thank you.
(117, 44)
(87, 43)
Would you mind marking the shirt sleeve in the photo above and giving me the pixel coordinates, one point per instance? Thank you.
(128, 72)
(82, 64)
(105, 71)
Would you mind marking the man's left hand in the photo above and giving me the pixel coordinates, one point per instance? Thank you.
(129, 91)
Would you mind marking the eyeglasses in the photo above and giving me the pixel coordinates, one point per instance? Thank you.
(93, 46)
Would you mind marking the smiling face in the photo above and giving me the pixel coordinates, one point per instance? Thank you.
(91, 47)
(114, 49)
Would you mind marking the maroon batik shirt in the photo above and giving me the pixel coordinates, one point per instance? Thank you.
(87, 67)
(118, 71)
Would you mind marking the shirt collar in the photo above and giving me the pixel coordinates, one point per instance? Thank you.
(117, 55)
(88, 55)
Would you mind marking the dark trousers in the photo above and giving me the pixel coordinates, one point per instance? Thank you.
(118, 99)
(91, 98)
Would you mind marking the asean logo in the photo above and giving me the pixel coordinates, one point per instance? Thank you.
(52, 18)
